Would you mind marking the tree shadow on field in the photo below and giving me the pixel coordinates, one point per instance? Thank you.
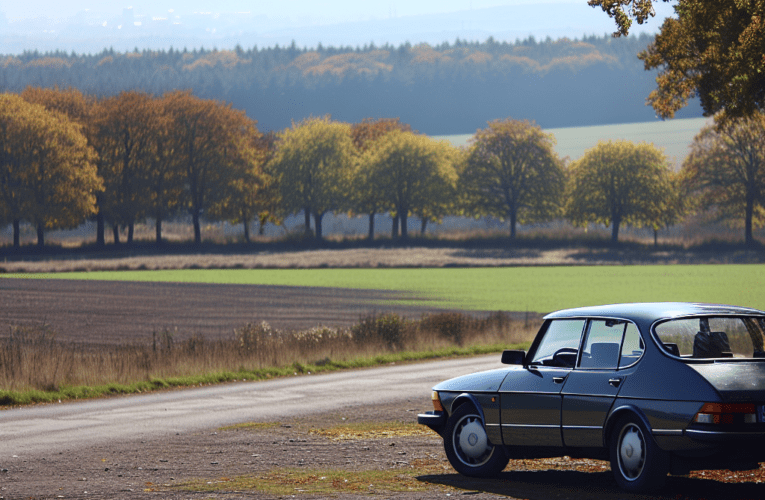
(498, 253)
(574, 485)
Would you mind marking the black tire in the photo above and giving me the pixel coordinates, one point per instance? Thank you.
(467, 446)
(639, 465)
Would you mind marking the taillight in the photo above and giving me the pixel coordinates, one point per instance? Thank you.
(726, 413)
(437, 402)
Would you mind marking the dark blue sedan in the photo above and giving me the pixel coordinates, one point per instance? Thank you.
(655, 388)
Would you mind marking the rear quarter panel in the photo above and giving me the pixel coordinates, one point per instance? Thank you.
(668, 393)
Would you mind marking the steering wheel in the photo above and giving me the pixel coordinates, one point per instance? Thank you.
(563, 357)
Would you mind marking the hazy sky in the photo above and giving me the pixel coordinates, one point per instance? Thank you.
(329, 11)
(89, 26)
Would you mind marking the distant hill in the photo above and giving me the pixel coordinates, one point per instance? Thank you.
(444, 89)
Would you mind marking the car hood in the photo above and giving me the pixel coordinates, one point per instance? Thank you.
(734, 380)
(488, 381)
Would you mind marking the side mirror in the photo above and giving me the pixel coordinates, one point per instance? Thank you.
(512, 357)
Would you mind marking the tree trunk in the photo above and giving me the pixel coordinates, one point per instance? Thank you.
(371, 226)
(16, 233)
(197, 228)
(261, 225)
(615, 230)
(131, 231)
(748, 237)
(158, 230)
(246, 224)
(100, 229)
(512, 210)
(40, 234)
(116, 232)
(423, 226)
(403, 217)
(394, 230)
(655, 237)
(317, 223)
(307, 215)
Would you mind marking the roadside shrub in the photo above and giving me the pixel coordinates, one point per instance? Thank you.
(32, 356)
(450, 326)
(386, 330)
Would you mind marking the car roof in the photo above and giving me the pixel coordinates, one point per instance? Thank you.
(648, 312)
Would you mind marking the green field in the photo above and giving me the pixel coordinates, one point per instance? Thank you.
(533, 289)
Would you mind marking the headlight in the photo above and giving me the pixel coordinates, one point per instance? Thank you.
(437, 406)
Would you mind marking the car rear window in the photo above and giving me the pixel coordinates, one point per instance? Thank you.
(721, 337)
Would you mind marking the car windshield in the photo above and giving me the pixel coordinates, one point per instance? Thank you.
(713, 337)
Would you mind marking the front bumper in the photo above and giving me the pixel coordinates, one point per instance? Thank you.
(436, 420)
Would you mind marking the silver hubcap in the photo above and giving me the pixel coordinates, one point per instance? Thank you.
(470, 442)
(631, 452)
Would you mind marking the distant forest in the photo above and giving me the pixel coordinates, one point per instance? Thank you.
(445, 89)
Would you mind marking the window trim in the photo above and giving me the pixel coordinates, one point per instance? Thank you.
(543, 331)
(587, 319)
(618, 367)
(690, 360)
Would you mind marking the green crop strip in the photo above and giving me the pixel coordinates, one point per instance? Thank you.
(535, 289)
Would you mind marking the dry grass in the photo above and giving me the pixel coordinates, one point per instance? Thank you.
(358, 431)
(31, 359)
(329, 482)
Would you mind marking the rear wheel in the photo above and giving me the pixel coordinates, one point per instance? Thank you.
(638, 464)
(467, 446)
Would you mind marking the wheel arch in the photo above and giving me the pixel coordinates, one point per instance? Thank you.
(467, 398)
(619, 412)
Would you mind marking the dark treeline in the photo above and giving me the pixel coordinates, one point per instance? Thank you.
(450, 88)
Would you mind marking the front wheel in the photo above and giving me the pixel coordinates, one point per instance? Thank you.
(467, 446)
(638, 464)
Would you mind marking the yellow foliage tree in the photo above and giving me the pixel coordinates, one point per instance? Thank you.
(617, 183)
(250, 192)
(726, 171)
(128, 129)
(512, 172)
(47, 174)
(313, 164)
(212, 144)
(413, 173)
(366, 197)
(713, 49)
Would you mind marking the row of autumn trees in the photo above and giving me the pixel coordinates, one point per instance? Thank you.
(65, 157)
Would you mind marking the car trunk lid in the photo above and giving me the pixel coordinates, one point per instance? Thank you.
(735, 380)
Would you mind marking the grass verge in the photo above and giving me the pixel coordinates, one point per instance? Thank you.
(35, 368)
(330, 482)
(17, 398)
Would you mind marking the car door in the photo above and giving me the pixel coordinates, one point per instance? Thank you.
(530, 401)
(609, 349)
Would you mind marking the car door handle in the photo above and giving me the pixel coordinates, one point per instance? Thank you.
(558, 380)
(616, 382)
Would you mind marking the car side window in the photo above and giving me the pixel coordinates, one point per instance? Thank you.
(560, 344)
(632, 347)
(603, 344)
